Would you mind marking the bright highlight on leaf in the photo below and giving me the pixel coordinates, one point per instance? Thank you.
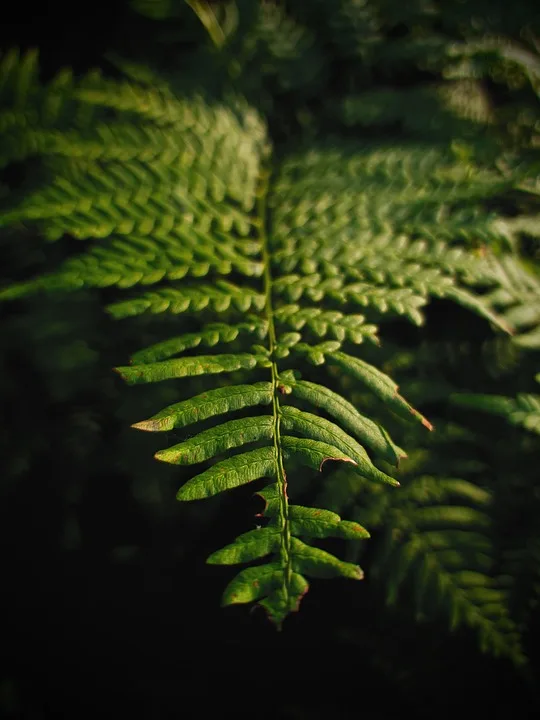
(186, 367)
(365, 430)
(207, 405)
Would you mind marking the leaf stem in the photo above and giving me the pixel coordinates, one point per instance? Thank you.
(285, 549)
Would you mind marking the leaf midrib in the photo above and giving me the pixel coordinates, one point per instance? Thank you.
(281, 477)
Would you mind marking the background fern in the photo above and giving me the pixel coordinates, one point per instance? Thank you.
(429, 199)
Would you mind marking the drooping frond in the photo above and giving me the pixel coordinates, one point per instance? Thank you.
(436, 539)
(388, 248)
(300, 254)
(448, 110)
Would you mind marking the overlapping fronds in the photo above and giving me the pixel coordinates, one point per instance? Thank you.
(438, 533)
(434, 542)
(186, 195)
(388, 249)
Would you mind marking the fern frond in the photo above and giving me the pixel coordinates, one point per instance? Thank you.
(231, 473)
(436, 535)
(523, 411)
(32, 114)
(514, 63)
(146, 196)
(218, 440)
(380, 385)
(331, 322)
(403, 301)
(313, 426)
(374, 200)
(218, 297)
(182, 192)
(516, 298)
(363, 428)
(210, 335)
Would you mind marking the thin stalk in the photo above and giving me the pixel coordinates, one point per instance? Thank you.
(285, 548)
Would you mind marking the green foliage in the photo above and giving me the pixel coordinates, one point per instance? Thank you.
(435, 534)
(518, 297)
(524, 411)
(283, 253)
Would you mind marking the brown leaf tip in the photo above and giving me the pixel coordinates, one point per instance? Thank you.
(427, 424)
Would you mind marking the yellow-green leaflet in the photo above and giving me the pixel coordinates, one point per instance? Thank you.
(208, 404)
(218, 440)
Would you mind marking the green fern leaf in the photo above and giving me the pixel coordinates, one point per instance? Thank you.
(188, 366)
(312, 453)
(285, 598)
(446, 550)
(516, 298)
(380, 384)
(210, 335)
(268, 585)
(218, 440)
(249, 546)
(321, 564)
(333, 323)
(219, 298)
(318, 523)
(207, 405)
(252, 584)
(180, 189)
(231, 473)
